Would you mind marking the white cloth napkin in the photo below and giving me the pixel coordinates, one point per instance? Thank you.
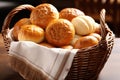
(54, 62)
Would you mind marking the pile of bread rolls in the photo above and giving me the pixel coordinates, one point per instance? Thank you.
(69, 28)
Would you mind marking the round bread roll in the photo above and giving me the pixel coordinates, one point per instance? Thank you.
(43, 14)
(47, 45)
(70, 13)
(76, 37)
(85, 42)
(97, 28)
(60, 32)
(17, 27)
(67, 47)
(31, 33)
(96, 36)
(90, 22)
(84, 25)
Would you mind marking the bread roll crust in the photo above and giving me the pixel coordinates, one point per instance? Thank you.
(43, 14)
(97, 28)
(70, 13)
(85, 42)
(81, 27)
(67, 47)
(96, 35)
(84, 25)
(46, 45)
(76, 37)
(90, 22)
(31, 33)
(60, 32)
(17, 27)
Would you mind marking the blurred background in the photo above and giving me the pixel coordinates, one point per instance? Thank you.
(90, 7)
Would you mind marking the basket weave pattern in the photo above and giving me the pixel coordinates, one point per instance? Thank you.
(88, 62)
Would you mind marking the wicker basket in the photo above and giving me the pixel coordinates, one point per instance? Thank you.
(87, 62)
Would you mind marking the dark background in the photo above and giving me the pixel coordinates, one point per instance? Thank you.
(7, 5)
(60, 4)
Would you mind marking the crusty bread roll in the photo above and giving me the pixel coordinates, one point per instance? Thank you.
(31, 33)
(67, 47)
(96, 36)
(60, 32)
(76, 37)
(97, 28)
(70, 13)
(84, 25)
(46, 45)
(86, 41)
(18, 25)
(43, 14)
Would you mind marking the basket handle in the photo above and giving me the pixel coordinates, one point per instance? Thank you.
(7, 21)
(104, 27)
(12, 13)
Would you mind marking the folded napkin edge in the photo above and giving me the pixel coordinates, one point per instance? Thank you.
(26, 70)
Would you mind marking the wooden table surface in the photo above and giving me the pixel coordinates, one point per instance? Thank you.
(111, 70)
(6, 73)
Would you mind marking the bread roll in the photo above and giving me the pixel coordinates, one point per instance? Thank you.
(46, 45)
(18, 25)
(60, 32)
(97, 28)
(90, 22)
(67, 47)
(85, 42)
(43, 14)
(31, 33)
(70, 13)
(96, 36)
(76, 37)
(83, 25)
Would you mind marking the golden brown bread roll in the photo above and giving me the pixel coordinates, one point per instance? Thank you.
(70, 13)
(31, 33)
(67, 47)
(46, 45)
(76, 37)
(18, 25)
(60, 32)
(97, 28)
(96, 36)
(43, 14)
(86, 41)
